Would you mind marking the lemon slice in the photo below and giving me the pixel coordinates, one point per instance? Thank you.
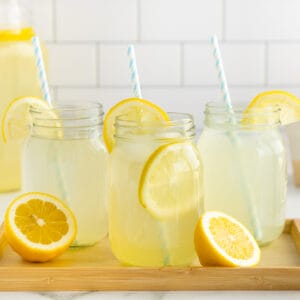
(3, 241)
(39, 227)
(134, 109)
(288, 104)
(220, 240)
(168, 180)
(16, 117)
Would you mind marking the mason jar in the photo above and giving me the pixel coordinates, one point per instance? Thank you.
(65, 156)
(137, 235)
(244, 164)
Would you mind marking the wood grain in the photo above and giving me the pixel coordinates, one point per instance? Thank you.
(3, 241)
(95, 268)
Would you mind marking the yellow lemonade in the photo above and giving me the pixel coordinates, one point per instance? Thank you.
(244, 164)
(18, 77)
(154, 236)
(66, 157)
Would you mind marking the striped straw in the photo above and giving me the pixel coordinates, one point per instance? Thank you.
(41, 68)
(221, 72)
(226, 98)
(134, 75)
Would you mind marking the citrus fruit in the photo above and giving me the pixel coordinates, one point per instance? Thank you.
(288, 104)
(220, 240)
(134, 109)
(16, 117)
(168, 180)
(3, 241)
(39, 226)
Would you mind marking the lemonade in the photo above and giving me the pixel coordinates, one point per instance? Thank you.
(245, 168)
(66, 158)
(18, 77)
(145, 229)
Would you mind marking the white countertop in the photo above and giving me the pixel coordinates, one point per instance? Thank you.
(293, 211)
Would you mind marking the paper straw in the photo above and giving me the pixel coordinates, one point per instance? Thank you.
(134, 75)
(46, 96)
(227, 99)
(41, 69)
(221, 72)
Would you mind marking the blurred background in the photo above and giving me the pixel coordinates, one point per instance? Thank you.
(87, 40)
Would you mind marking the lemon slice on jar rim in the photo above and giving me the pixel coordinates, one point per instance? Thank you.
(16, 118)
(287, 103)
(133, 109)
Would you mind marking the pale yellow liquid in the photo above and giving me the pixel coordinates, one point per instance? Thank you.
(18, 78)
(245, 176)
(76, 171)
(136, 237)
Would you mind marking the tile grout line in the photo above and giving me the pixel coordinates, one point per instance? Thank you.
(181, 49)
(54, 20)
(175, 87)
(266, 79)
(98, 69)
(157, 42)
(223, 29)
(138, 20)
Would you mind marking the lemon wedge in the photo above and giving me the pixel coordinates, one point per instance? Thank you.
(16, 119)
(221, 240)
(39, 226)
(170, 176)
(134, 109)
(288, 104)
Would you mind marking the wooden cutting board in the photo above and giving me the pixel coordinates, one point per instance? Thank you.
(95, 268)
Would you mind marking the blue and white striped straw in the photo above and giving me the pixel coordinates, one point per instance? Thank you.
(134, 75)
(41, 69)
(226, 98)
(221, 72)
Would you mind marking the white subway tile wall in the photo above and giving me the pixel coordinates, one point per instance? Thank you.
(87, 40)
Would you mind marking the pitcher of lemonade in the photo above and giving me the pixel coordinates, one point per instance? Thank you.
(18, 77)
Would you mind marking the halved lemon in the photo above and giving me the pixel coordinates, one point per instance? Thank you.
(170, 176)
(134, 109)
(221, 240)
(39, 226)
(3, 241)
(288, 104)
(16, 117)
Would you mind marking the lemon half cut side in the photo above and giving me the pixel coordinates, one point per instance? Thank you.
(221, 240)
(39, 226)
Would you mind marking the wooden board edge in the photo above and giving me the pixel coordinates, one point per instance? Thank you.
(288, 225)
(178, 279)
(3, 241)
(295, 233)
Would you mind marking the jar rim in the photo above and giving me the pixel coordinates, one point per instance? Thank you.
(180, 123)
(240, 107)
(69, 107)
(75, 115)
(176, 119)
(241, 114)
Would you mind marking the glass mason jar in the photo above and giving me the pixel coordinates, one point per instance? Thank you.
(244, 164)
(65, 156)
(136, 236)
(18, 78)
